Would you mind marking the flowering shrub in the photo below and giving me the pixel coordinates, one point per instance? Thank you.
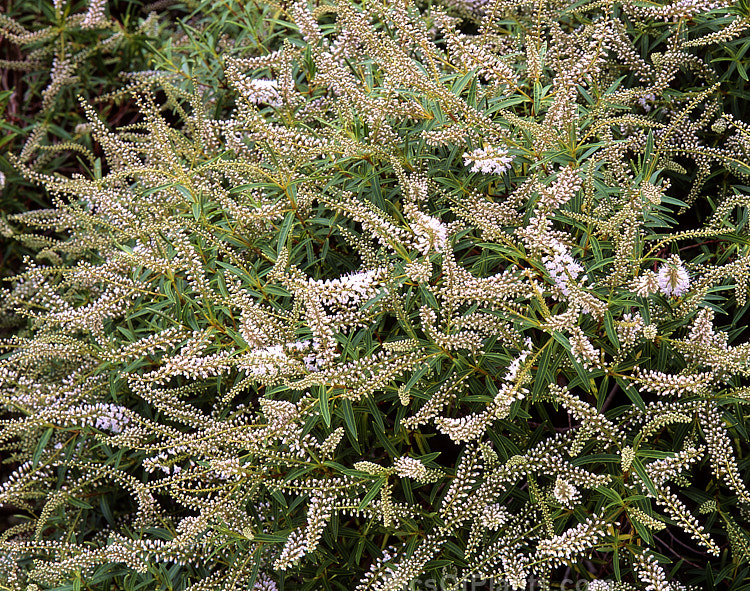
(436, 291)
(51, 53)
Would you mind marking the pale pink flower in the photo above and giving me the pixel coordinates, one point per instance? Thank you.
(673, 278)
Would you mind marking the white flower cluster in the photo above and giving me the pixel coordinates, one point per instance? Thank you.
(473, 5)
(431, 235)
(495, 516)
(649, 521)
(103, 416)
(277, 359)
(645, 101)
(515, 366)
(650, 573)
(627, 457)
(190, 365)
(62, 73)
(722, 452)
(331, 442)
(673, 278)
(562, 267)
(505, 397)
(370, 468)
(319, 512)
(702, 334)
(673, 385)
(489, 160)
(668, 468)
(294, 549)
(258, 91)
(407, 467)
(349, 289)
(629, 329)
(681, 9)
(94, 15)
(161, 462)
(565, 187)
(574, 541)
(152, 344)
(419, 270)
(380, 568)
(265, 92)
(466, 428)
(646, 283)
(565, 493)
(650, 332)
(584, 352)
(227, 468)
(681, 515)
(264, 583)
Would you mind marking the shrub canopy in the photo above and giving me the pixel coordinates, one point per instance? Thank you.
(415, 292)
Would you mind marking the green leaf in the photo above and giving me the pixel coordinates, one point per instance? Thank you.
(639, 469)
(416, 376)
(610, 494)
(673, 201)
(106, 511)
(429, 297)
(78, 503)
(279, 497)
(375, 413)
(616, 563)
(742, 70)
(286, 227)
(325, 410)
(545, 372)
(270, 538)
(372, 493)
(185, 192)
(583, 375)
(648, 150)
(149, 191)
(41, 445)
(461, 83)
(351, 423)
(609, 327)
(632, 393)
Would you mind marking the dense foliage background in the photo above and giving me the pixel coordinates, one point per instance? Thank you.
(375, 294)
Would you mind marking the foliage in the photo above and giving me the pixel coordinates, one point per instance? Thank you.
(419, 293)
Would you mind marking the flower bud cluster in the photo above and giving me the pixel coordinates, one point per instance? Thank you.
(574, 541)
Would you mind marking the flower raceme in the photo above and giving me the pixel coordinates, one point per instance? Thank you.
(673, 278)
(489, 160)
